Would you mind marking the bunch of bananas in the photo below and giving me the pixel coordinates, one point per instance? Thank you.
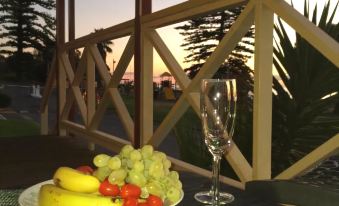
(72, 187)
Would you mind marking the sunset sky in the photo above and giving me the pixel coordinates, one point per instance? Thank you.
(97, 14)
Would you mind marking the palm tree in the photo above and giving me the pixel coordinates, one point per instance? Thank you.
(305, 92)
(104, 48)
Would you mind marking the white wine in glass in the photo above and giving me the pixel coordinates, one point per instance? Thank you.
(218, 100)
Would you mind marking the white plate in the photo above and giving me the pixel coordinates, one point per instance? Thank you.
(29, 197)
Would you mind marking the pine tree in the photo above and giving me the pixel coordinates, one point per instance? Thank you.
(203, 34)
(25, 25)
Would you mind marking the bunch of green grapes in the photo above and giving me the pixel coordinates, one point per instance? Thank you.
(148, 169)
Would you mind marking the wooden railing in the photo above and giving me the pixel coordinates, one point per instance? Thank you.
(257, 12)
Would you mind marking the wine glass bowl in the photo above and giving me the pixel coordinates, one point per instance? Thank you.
(218, 111)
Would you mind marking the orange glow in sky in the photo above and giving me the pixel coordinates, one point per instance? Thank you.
(90, 15)
(97, 14)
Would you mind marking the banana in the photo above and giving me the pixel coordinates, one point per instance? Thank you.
(76, 181)
(51, 195)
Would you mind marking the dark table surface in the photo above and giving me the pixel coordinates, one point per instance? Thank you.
(192, 183)
(39, 157)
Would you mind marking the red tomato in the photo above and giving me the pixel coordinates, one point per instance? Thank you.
(153, 200)
(85, 169)
(130, 190)
(108, 189)
(143, 204)
(131, 201)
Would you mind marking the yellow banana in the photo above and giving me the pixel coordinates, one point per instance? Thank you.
(51, 195)
(76, 181)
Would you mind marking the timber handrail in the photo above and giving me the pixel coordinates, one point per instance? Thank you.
(257, 12)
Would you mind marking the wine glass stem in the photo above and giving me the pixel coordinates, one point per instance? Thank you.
(215, 179)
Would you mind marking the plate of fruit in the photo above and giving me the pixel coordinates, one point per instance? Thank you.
(134, 177)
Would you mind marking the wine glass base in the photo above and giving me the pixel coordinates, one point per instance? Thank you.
(205, 197)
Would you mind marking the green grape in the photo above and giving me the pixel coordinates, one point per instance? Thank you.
(173, 194)
(129, 164)
(158, 156)
(166, 171)
(114, 163)
(155, 188)
(156, 170)
(174, 175)
(101, 160)
(102, 172)
(178, 184)
(117, 175)
(124, 163)
(167, 163)
(144, 193)
(147, 163)
(126, 150)
(137, 178)
(138, 166)
(166, 182)
(147, 151)
(146, 174)
(120, 183)
(135, 155)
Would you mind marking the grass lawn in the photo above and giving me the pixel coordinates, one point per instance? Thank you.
(10, 128)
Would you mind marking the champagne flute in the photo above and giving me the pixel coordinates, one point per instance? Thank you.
(218, 110)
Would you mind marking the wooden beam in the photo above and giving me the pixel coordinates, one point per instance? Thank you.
(61, 76)
(106, 140)
(78, 77)
(123, 113)
(240, 27)
(90, 88)
(74, 89)
(186, 11)
(137, 77)
(171, 63)
(319, 154)
(101, 65)
(181, 165)
(71, 20)
(262, 114)
(313, 34)
(100, 111)
(50, 83)
(123, 63)
(71, 52)
(114, 32)
(177, 111)
(225, 47)
(143, 77)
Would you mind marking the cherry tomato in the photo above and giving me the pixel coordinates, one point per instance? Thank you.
(108, 189)
(143, 204)
(130, 190)
(85, 169)
(131, 201)
(153, 200)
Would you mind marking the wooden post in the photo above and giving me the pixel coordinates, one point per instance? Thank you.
(262, 92)
(91, 98)
(61, 76)
(71, 20)
(143, 78)
(71, 53)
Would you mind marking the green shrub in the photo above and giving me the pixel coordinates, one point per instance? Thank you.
(5, 101)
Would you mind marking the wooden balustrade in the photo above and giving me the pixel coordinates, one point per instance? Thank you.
(257, 12)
